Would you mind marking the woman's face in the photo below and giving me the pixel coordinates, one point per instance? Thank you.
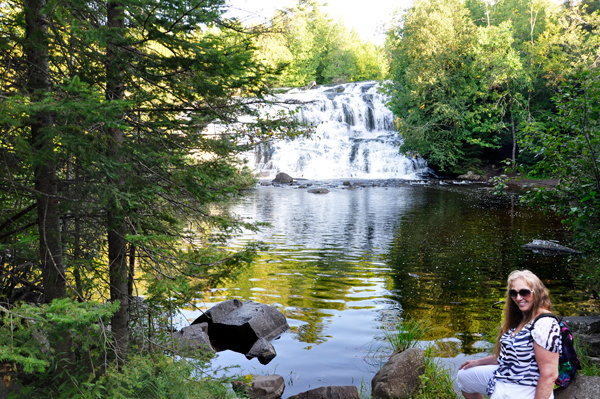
(523, 302)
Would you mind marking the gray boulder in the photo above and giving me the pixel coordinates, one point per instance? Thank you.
(581, 387)
(584, 324)
(194, 337)
(219, 312)
(263, 350)
(318, 191)
(237, 325)
(261, 387)
(586, 329)
(399, 377)
(334, 392)
(283, 178)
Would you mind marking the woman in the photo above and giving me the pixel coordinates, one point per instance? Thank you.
(524, 364)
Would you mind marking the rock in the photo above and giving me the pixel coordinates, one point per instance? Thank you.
(581, 387)
(470, 176)
(219, 312)
(263, 350)
(548, 246)
(261, 387)
(583, 324)
(399, 377)
(265, 183)
(347, 183)
(318, 191)
(334, 392)
(237, 325)
(194, 337)
(591, 343)
(283, 178)
(586, 329)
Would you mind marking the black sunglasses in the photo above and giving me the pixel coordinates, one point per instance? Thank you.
(523, 292)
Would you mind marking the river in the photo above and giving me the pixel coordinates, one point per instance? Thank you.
(346, 266)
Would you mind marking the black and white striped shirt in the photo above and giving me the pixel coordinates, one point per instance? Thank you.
(516, 363)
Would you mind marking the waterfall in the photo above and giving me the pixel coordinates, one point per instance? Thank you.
(354, 137)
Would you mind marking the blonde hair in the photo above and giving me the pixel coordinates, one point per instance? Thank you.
(512, 314)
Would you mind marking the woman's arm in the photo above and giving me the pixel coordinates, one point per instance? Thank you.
(484, 361)
(548, 363)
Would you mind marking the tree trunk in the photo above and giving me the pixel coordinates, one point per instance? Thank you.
(117, 245)
(46, 180)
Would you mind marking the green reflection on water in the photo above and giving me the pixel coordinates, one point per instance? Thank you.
(452, 253)
(447, 260)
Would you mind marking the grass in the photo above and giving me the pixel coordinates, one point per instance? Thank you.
(436, 382)
(407, 335)
(587, 367)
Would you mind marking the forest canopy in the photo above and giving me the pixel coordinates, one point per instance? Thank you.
(471, 78)
(310, 46)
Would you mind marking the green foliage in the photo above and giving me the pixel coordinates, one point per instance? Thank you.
(471, 78)
(587, 366)
(151, 376)
(437, 382)
(309, 46)
(141, 136)
(158, 376)
(572, 152)
(443, 83)
(28, 329)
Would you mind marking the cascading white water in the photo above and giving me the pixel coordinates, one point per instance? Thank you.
(354, 137)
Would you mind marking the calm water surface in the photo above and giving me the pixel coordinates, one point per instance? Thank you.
(344, 267)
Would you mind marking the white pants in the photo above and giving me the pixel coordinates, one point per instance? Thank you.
(475, 380)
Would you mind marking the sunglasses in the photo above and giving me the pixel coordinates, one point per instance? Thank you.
(523, 292)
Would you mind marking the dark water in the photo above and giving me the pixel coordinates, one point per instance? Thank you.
(345, 266)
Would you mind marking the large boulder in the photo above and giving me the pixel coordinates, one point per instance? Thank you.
(581, 387)
(261, 387)
(584, 324)
(333, 392)
(194, 337)
(238, 325)
(283, 178)
(399, 377)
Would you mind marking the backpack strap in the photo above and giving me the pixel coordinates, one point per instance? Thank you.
(558, 319)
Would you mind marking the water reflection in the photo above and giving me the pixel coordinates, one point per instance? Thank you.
(344, 266)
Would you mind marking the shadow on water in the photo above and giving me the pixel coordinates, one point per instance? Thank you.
(345, 266)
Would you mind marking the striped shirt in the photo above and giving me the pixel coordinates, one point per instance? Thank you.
(516, 363)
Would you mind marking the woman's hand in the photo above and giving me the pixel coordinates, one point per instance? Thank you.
(484, 361)
(468, 364)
